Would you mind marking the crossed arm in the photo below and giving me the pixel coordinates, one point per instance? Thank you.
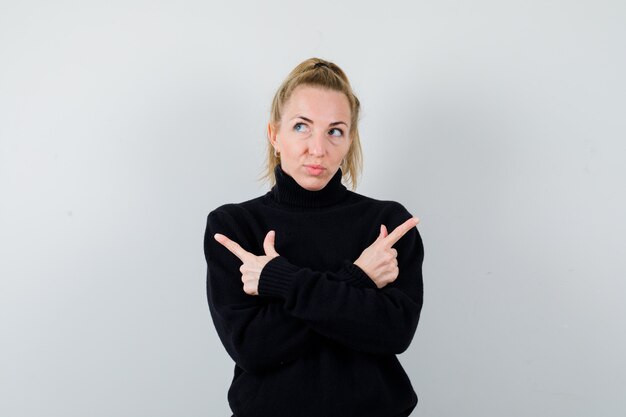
(375, 316)
(378, 261)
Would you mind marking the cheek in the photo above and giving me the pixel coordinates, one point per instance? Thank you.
(343, 149)
(293, 147)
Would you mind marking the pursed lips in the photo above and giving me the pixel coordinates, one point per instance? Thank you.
(315, 170)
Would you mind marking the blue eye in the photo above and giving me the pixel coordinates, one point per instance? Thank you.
(295, 127)
(338, 130)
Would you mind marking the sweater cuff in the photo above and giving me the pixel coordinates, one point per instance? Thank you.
(355, 276)
(276, 278)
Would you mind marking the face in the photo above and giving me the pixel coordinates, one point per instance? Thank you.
(313, 135)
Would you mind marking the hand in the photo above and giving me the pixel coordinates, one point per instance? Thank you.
(252, 264)
(379, 260)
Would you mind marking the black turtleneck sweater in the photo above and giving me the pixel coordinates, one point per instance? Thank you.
(320, 339)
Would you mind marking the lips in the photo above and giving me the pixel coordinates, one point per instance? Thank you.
(314, 169)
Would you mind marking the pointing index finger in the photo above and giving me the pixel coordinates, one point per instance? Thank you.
(400, 231)
(232, 246)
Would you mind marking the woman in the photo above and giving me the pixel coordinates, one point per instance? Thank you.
(309, 293)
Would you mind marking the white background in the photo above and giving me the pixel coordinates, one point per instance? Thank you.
(501, 124)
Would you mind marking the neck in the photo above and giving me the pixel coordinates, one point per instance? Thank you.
(289, 193)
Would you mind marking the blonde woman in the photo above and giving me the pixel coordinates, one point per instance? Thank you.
(313, 288)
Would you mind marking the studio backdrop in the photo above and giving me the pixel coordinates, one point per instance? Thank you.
(500, 124)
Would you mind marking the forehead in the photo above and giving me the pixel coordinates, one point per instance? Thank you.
(318, 104)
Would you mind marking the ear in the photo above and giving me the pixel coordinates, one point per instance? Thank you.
(271, 134)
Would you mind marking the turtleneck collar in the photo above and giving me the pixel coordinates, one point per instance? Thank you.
(288, 192)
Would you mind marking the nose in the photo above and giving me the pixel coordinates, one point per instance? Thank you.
(317, 144)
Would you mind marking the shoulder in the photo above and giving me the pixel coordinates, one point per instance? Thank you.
(236, 210)
(388, 209)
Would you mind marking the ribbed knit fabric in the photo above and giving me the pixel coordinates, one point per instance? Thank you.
(320, 339)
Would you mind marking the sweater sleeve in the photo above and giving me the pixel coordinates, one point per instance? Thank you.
(257, 333)
(362, 318)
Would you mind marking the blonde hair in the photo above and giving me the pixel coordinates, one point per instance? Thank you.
(320, 73)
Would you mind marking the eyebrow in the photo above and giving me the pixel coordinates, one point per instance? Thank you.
(311, 121)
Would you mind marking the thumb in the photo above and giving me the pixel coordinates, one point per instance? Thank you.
(383, 232)
(268, 244)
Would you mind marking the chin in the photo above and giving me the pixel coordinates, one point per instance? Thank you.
(313, 183)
